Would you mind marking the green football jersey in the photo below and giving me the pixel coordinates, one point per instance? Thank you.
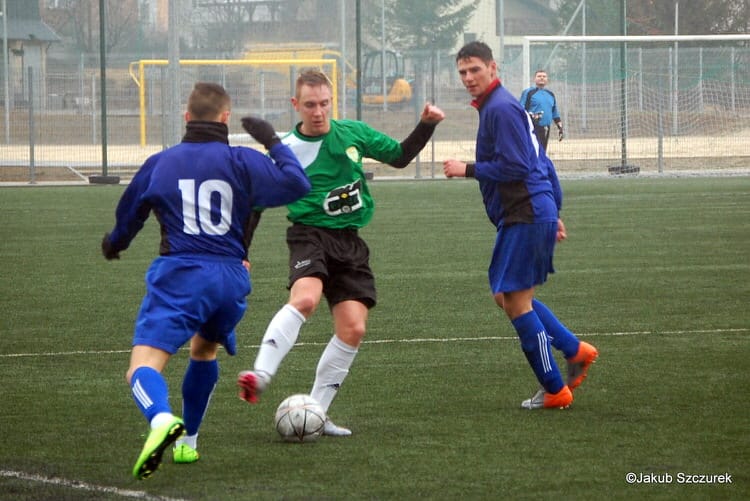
(339, 197)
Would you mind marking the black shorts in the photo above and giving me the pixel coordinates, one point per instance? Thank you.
(340, 258)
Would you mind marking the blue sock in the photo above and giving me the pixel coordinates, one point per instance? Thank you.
(536, 346)
(150, 392)
(560, 336)
(197, 388)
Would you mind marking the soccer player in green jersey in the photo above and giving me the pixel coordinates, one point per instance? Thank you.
(327, 256)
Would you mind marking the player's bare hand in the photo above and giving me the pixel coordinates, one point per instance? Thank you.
(431, 114)
(562, 233)
(454, 168)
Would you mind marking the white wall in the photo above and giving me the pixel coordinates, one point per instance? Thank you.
(482, 23)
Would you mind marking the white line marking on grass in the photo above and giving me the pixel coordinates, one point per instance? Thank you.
(515, 338)
(60, 353)
(409, 341)
(77, 485)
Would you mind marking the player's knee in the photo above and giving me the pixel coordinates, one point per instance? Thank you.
(306, 305)
(358, 331)
(129, 375)
(353, 333)
(500, 300)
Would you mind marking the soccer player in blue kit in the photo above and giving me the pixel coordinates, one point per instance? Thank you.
(202, 192)
(522, 198)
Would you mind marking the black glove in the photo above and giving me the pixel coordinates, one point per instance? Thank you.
(261, 131)
(560, 134)
(107, 250)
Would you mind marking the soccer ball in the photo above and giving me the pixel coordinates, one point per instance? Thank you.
(300, 418)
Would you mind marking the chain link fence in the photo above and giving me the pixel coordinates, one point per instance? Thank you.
(53, 126)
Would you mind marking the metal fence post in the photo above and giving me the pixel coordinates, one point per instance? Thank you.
(32, 132)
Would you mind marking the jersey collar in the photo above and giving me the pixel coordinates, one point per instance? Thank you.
(479, 101)
(201, 131)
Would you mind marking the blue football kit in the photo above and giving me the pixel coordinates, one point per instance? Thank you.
(202, 192)
(522, 197)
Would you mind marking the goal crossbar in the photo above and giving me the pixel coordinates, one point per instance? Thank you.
(671, 96)
(139, 77)
(528, 40)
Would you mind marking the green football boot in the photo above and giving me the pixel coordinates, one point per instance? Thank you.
(157, 442)
(184, 454)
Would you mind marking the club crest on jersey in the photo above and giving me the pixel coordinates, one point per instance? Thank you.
(353, 153)
(343, 200)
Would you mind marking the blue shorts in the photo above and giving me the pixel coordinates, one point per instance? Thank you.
(522, 257)
(185, 295)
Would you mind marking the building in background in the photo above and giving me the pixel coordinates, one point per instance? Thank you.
(29, 39)
(521, 18)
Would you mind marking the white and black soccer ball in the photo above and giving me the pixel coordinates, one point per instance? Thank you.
(300, 418)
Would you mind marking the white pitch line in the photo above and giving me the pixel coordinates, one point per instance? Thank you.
(409, 341)
(78, 485)
(514, 338)
(62, 353)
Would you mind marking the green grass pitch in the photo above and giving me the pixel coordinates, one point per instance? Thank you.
(655, 273)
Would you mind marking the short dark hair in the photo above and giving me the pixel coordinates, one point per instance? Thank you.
(207, 101)
(475, 49)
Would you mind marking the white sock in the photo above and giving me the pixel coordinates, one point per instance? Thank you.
(189, 440)
(160, 419)
(333, 368)
(280, 336)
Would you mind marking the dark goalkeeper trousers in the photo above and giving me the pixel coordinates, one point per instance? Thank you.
(542, 135)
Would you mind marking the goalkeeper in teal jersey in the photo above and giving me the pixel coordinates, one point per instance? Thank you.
(327, 256)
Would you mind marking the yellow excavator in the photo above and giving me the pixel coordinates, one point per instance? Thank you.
(385, 67)
(398, 89)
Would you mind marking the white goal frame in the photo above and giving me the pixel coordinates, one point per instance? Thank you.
(528, 40)
(527, 70)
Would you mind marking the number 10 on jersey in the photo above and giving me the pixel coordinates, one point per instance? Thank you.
(197, 205)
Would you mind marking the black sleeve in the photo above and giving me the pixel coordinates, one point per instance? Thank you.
(412, 145)
(250, 227)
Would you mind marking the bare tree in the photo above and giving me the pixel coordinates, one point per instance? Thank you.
(77, 21)
(230, 26)
(656, 17)
(427, 24)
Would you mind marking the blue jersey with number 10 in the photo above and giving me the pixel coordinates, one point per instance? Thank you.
(203, 194)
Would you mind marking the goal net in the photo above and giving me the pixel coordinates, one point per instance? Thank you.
(638, 103)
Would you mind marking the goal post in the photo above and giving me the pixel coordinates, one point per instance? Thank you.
(282, 68)
(659, 97)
